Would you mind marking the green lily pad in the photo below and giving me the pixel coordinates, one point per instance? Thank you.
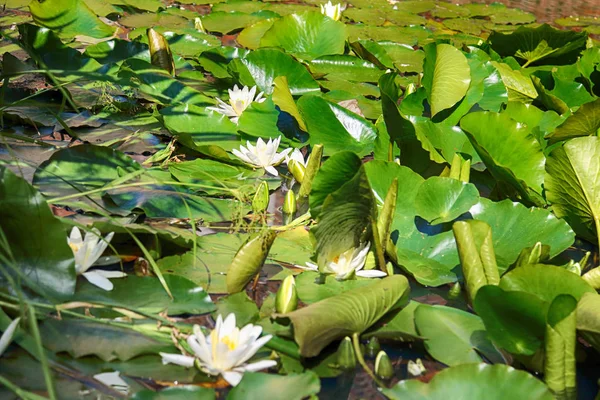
(453, 336)
(34, 242)
(310, 34)
(289, 387)
(583, 122)
(109, 342)
(345, 67)
(444, 199)
(147, 294)
(356, 310)
(515, 320)
(495, 137)
(336, 128)
(69, 18)
(81, 168)
(572, 182)
(494, 382)
(543, 45)
(262, 66)
(446, 76)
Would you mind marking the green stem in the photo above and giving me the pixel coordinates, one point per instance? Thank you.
(361, 360)
(391, 151)
(35, 331)
(25, 395)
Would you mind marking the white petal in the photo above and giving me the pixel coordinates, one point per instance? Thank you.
(371, 273)
(251, 351)
(114, 380)
(75, 236)
(271, 170)
(8, 335)
(178, 359)
(198, 344)
(259, 365)
(109, 274)
(232, 377)
(96, 279)
(228, 325)
(309, 266)
(241, 156)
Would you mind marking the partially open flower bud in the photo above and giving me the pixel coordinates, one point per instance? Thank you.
(286, 299)
(297, 170)
(416, 368)
(383, 366)
(346, 358)
(260, 202)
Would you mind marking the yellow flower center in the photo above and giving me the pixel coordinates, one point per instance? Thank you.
(230, 342)
(74, 247)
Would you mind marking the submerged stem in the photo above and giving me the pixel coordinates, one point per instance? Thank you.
(361, 360)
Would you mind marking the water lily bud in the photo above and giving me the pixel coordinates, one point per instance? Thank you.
(533, 255)
(373, 347)
(383, 366)
(289, 205)
(455, 291)
(297, 170)
(416, 368)
(313, 165)
(261, 198)
(346, 358)
(465, 171)
(160, 52)
(287, 297)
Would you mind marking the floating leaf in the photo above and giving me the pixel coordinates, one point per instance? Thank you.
(515, 320)
(290, 387)
(310, 34)
(444, 199)
(32, 240)
(446, 76)
(509, 152)
(453, 336)
(493, 382)
(573, 185)
(69, 18)
(356, 310)
(584, 122)
(541, 45)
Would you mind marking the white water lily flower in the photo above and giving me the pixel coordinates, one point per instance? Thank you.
(332, 11)
(87, 251)
(298, 157)
(239, 100)
(416, 368)
(224, 351)
(8, 335)
(347, 264)
(263, 155)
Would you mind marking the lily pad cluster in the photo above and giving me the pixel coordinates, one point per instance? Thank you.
(292, 192)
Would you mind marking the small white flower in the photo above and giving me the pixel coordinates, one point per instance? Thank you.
(224, 351)
(297, 156)
(8, 335)
(332, 11)
(264, 155)
(416, 368)
(239, 100)
(348, 264)
(87, 251)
